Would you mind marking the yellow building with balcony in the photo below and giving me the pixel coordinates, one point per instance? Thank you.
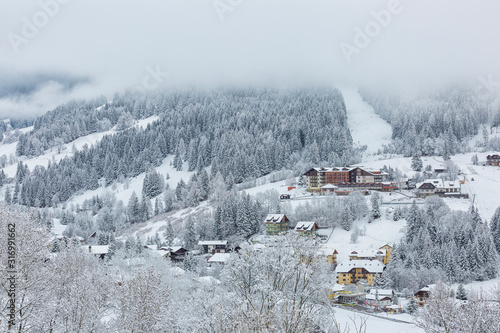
(353, 271)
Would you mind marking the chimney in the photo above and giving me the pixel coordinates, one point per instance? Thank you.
(90, 248)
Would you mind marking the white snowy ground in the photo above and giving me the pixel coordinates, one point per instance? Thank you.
(374, 324)
(367, 128)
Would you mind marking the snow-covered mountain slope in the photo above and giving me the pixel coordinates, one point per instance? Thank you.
(66, 150)
(367, 128)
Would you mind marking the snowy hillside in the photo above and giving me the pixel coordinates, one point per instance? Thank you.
(220, 212)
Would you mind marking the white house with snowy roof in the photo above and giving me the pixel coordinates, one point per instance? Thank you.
(438, 186)
(99, 251)
(213, 246)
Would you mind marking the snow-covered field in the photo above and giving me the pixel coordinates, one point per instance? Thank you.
(351, 321)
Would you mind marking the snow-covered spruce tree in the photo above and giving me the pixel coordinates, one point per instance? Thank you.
(375, 201)
(190, 237)
(125, 121)
(134, 209)
(169, 234)
(346, 219)
(461, 293)
(442, 244)
(495, 229)
(412, 306)
(153, 184)
(416, 162)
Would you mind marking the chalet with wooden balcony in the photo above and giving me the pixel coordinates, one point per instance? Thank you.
(276, 223)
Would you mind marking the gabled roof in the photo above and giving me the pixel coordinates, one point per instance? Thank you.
(368, 253)
(438, 184)
(305, 226)
(382, 292)
(275, 218)
(175, 249)
(372, 266)
(327, 186)
(220, 257)
(215, 242)
(96, 249)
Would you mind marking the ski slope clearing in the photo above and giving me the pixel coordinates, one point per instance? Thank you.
(367, 128)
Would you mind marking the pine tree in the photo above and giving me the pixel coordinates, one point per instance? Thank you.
(190, 233)
(412, 306)
(56, 246)
(15, 196)
(158, 206)
(346, 219)
(8, 198)
(157, 240)
(461, 293)
(145, 208)
(128, 248)
(375, 205)
(218, 223)
(139, 249)
(416, 162)
(169, 234)
(111, 251)
(495, 229)
(190, 263)
(134, 209)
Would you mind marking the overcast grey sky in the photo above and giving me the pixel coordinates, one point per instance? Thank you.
(93, 47)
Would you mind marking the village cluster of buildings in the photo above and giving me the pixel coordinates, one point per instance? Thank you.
(345, 179)
(362, 265)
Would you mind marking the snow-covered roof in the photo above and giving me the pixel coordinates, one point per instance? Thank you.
(304, 226)
(333, 169)
(274, 218)
(207, 280)
(382, 292)
(372, 266)
(151, 247)
(327, 186)
(439, 183)
(347, 169)
(380, 297)
(177, 271)
(215, 242)
(338, 287)
(96, 249)
(368, 253)
(323, 250)
(220, 257)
